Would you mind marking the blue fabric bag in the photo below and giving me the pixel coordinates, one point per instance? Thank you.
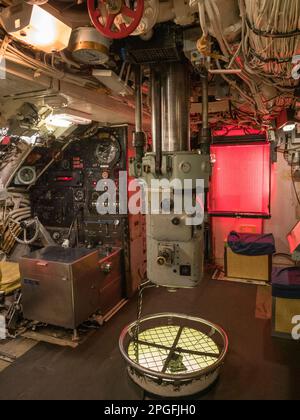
(251, 244)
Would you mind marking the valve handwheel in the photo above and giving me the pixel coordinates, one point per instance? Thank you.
(116, 19)
(23, 228)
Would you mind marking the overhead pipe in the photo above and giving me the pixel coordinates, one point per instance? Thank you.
(170, 92)
(138, 100)
(156, 100)
(175, 108)
(205, 133)
(139, 135)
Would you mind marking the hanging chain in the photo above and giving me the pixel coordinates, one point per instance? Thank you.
(136, 332)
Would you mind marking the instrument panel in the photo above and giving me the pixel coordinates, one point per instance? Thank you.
(65, 197)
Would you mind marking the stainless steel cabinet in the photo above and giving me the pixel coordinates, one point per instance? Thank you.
(64, 287)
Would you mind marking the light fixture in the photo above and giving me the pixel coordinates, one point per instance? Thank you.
(36, 27)
(67, 119)
(288, 128)
(286, 120)
(58, 121)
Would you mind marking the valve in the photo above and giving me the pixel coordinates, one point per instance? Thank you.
(161, 261)
(113, 18)
(20, 230)
(165, 257)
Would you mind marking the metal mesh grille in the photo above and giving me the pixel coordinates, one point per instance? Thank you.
(154, 55)
(174, 350)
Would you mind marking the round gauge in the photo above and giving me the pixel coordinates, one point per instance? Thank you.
(26, 175)
(79, 195)
(108, 151)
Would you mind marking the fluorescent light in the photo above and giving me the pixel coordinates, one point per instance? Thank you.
(58, 121)
(289, 127)
(31, 139)
(66, 120)
(36, 27)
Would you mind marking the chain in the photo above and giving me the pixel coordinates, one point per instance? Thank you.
(136, 332)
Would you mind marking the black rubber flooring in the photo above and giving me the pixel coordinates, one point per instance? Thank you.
(257, 366)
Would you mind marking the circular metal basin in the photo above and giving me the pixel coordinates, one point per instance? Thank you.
(173, 355)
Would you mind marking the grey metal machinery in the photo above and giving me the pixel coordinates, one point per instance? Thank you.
(153, 347)
(175, 240)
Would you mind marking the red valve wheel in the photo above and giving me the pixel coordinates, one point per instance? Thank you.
(113, 18)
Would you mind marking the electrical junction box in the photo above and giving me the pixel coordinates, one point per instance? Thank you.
(175, 263)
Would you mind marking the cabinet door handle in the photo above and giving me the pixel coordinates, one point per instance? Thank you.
(42, 264)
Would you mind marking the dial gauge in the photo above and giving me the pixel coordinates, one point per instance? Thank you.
(26, 175)
(108, 151)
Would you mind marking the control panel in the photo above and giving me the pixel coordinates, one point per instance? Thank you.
(66, 199)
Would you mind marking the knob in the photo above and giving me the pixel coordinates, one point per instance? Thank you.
(176, 221)
(56, 236)
(161, 261)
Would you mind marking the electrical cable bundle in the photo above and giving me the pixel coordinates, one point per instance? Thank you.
(269, 40)
(272, 37)
(12, 217)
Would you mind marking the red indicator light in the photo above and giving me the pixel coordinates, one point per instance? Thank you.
(64, 178)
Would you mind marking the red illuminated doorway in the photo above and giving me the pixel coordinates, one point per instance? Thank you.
(241, 180)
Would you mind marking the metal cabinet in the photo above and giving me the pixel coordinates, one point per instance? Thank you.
(64, 287)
